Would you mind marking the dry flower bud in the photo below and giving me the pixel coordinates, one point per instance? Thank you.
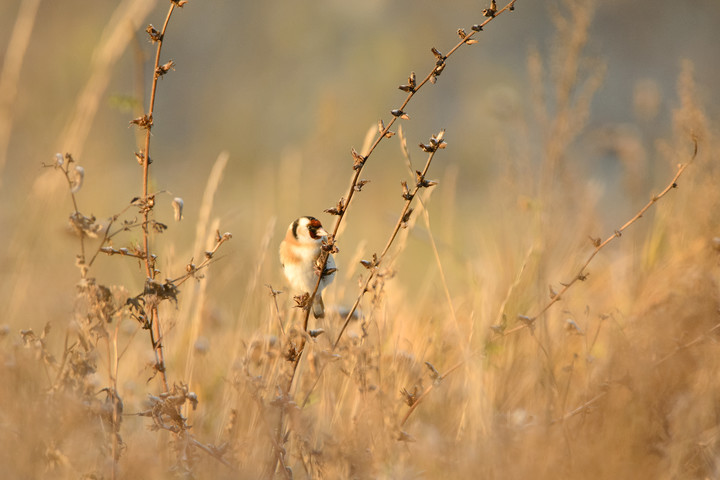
(143, 122)
(406, 193)
(78, 177)
(399, 113)
(434, 374)
(360, 183)
(406, 218)
(163, 69)
(316, 332)
(154, 34)
(177, 205)
(359, 160)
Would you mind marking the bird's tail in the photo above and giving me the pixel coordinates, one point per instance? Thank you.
(318, 306)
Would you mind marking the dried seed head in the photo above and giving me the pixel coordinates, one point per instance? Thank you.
(573, 327)
(406, 193)
(77, 180)
(434, 374)
(302, 301)
(529, 322)
(359, 160)
(400, 114)
(360, 184)
(145, 121)
(163, 69)
(154, 34)
(338, 209)
(490, 12)
(406, 218)
(316, 332)
(410, 397)
(177, 205)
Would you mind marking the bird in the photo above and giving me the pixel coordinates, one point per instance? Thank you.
(299, 253)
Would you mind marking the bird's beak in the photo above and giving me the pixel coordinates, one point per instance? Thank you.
(320, 232)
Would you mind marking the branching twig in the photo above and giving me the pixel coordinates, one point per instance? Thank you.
(436, 381)
(359, 161)
(146, 122)
(411, 88)
(373, 265)
(582, 273)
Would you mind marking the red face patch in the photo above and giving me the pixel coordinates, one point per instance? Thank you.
(313, 226)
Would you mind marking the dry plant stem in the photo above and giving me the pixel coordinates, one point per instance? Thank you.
(384, 134)
(156, 330)
(146, 152)
(582, 408)
(374, 269)
(691, 343)
(398, 225)
(582, 274)
(425, 392)
(357, 171)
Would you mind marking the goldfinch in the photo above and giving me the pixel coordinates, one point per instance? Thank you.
(299, 253)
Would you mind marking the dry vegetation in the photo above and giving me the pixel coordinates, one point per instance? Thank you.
(529, 328)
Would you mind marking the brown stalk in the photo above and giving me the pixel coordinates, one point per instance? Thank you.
(359, 163)
(425, 392)
(385, 133)
(156, 330)
(376, 263)
(582, 274)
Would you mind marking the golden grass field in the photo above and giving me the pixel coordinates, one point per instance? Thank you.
(527, 322)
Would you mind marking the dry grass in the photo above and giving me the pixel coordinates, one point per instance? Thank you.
(526, 331)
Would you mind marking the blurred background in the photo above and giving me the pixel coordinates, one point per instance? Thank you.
(561, 122)
(287, 89)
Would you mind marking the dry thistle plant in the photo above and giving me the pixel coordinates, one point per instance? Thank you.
(295, 349)
(100, 307)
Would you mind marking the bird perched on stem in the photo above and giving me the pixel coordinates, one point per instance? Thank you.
(299, 256)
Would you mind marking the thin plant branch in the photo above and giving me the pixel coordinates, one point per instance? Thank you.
(599, 245)
(148, 201)
(417, 401)
(374, 264)
(411, 88)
